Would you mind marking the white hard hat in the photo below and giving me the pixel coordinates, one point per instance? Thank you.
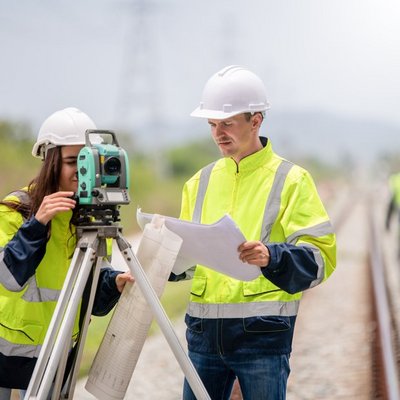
(231, 91)
(66, 127)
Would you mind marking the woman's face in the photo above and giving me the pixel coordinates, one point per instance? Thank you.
(69, 176)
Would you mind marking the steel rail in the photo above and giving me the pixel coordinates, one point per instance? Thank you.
(383, 312)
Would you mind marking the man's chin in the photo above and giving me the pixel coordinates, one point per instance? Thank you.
(224, 148)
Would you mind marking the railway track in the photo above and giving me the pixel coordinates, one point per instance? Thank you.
(386, 346)
(346, 344)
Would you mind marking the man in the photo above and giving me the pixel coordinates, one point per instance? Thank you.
(245, 329)
(394, 203)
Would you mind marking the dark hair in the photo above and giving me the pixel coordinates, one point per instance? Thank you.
(45, 183)
(248, 115)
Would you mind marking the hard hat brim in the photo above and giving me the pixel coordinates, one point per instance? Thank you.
(37, 147)
(213, 114)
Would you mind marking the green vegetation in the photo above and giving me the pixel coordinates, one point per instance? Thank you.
(17, 166)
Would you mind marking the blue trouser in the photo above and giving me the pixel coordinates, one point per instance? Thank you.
(256, 350)
(261, 377)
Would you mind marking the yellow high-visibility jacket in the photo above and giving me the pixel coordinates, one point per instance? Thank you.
(394, 201)
(272, 200)
(394, 185)
(33, 268)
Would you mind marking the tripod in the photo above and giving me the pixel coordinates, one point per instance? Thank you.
(51, 375)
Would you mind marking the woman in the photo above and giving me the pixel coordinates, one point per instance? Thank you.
(37, 241)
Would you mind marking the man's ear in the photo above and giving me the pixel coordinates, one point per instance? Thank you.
(256, 120)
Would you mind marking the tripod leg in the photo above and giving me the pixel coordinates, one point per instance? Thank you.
(60, 373)
(59, 333)
(68, 391)
(54, 324)
(162, 319)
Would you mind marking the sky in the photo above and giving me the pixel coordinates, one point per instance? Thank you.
(141, 65)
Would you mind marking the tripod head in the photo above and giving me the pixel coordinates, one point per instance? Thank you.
(96, 215)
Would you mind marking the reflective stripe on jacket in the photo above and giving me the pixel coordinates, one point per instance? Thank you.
(271, 200)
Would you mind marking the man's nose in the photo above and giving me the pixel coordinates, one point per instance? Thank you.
(219, 129)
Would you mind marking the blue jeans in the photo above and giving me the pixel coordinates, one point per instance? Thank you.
(261, 377)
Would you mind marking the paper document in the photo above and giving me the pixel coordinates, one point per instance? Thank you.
(123, 341)
(214, 246)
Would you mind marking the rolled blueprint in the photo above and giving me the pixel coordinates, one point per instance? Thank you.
(123, 341)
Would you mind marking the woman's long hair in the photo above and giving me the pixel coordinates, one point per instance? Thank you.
(46, 182)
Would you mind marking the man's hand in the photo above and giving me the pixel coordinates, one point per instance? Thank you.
(121, 280)
(255, 253)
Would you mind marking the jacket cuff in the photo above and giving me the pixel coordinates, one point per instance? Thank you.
(274, 267)
(176, 278)
(34, 229)
(107, 294)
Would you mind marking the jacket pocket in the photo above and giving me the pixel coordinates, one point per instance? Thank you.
(267, 323)
(198, 285)
(26, 332)
(259, 285)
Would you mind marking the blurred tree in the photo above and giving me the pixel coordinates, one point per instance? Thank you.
(185, 160)
(15, 131)
(391, 160)
(17, 167)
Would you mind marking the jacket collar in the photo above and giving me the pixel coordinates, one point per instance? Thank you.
(252, 161)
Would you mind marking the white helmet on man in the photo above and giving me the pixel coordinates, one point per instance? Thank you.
(66, 127)
(232, 90)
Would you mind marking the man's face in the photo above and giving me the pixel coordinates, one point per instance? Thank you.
(68, 176)
(236, 137)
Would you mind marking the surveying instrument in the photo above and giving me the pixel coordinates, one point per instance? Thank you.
(103, 182)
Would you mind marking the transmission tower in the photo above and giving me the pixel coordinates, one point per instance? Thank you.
(139, 95)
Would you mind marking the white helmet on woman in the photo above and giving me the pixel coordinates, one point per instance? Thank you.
(66, 127)
(231, 91)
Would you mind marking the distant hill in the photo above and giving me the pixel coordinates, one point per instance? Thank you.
(295, 135)
(333, 138)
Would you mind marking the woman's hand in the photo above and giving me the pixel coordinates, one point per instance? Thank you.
(121, 280)
(54, 204)
(254, 252)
